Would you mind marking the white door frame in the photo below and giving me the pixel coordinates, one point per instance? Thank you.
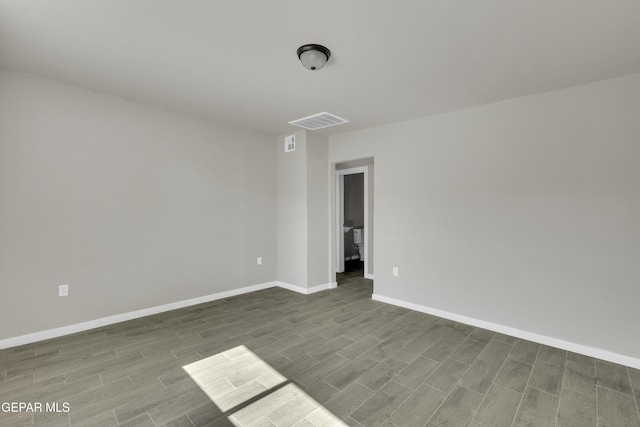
(340, 216)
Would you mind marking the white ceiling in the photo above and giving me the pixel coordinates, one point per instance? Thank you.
(235, 61)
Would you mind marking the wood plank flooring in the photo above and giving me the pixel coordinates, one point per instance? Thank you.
(276, 358)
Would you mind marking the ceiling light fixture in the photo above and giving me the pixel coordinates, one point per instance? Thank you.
(313, 56)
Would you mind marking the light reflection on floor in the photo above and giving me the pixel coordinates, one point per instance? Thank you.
(234, 377)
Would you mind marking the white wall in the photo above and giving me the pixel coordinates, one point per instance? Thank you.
(524, 213)
(132, 206)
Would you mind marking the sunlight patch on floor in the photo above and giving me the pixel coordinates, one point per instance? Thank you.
(236, 376)
(288, 406)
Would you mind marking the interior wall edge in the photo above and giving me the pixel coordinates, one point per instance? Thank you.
(307, 291)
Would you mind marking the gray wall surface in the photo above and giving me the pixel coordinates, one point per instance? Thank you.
(318, 210)
(292, 211)
(523, 213)
(132, 206)
(303, 211)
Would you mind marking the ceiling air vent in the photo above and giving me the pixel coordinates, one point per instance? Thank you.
(319, 121)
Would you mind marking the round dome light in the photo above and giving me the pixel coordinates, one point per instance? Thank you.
(313, 56)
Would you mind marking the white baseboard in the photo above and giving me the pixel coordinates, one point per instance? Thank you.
(117, 318)
(307, 291)
(368, 276)
(598, 353)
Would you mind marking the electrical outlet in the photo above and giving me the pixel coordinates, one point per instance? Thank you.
(395, 271)
(259, 260)
(63, 290)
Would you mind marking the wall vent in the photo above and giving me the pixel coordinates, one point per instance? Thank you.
(289, 143)
(319, 121)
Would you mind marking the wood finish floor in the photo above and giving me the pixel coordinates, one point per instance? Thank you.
(275, 357)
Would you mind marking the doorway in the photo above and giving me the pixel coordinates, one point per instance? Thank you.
(353, 224)
(353, 221)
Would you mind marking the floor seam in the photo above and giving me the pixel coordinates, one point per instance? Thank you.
(527, 384)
